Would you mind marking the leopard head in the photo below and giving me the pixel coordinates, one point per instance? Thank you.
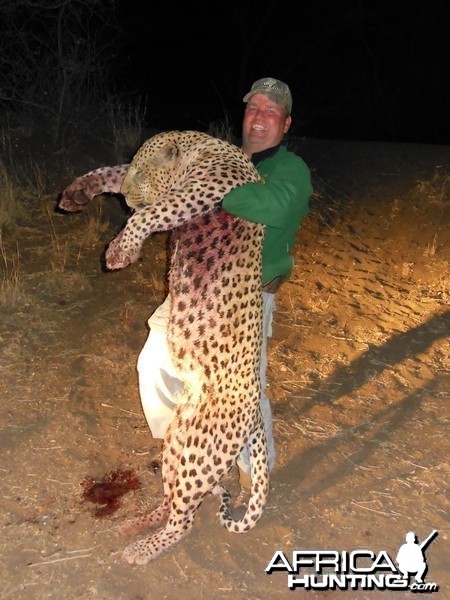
(152, 172)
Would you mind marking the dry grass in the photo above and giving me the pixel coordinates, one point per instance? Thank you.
(65, 283)
(11, 289)
(18, 185)
(95, 227)
(127, 124)
(222, 129)
(8, 197)
(431, 247)
(64, 276)
(437, 189)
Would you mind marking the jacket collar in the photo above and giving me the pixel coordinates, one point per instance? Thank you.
(257, 157)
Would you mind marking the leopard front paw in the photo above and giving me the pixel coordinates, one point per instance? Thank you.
(73, 200)
(120, 254)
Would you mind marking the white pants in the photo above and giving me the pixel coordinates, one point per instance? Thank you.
(159, 386)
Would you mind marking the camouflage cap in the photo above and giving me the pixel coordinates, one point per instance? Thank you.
(274, 89)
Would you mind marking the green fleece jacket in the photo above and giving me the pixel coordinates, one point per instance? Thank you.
(280, 203)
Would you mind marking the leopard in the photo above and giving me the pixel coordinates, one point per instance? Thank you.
(176, 182)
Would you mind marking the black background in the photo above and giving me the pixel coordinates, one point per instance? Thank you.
(357, 69)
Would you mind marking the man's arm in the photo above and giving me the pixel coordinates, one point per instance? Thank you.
(284, 195)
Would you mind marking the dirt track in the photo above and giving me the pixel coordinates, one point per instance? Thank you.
(359, 376)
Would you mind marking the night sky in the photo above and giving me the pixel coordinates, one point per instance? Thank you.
(357, 69)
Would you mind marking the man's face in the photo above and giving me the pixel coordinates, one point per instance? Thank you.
(264, 124)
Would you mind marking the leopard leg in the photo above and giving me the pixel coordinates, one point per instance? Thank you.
(179, 524)
(77, 195)
(192, 480)
(152, 518)
(173, 446)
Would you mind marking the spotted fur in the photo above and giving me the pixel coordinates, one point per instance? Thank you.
(176, 182)
(82, 190)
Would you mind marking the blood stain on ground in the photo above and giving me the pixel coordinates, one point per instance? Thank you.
(108, 491)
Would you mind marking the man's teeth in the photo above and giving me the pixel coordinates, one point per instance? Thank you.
(258, 127)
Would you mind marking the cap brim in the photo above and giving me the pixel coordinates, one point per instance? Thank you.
(247, 97)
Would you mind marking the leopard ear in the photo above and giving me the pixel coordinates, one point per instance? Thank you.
(167, 154)
(171, 151)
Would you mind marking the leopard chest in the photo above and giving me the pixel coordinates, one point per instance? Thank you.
(213, 251)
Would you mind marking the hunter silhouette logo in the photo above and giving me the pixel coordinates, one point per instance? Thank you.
(357, 569)
(410, 557)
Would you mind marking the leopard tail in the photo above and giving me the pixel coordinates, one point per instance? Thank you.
(259, 490)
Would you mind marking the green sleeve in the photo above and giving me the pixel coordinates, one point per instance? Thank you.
(284, 195)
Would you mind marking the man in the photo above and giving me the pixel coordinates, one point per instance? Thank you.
(280, 204)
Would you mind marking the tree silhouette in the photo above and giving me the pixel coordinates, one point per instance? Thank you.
(55, 58)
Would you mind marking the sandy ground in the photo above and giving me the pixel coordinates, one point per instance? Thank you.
(359, 376)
